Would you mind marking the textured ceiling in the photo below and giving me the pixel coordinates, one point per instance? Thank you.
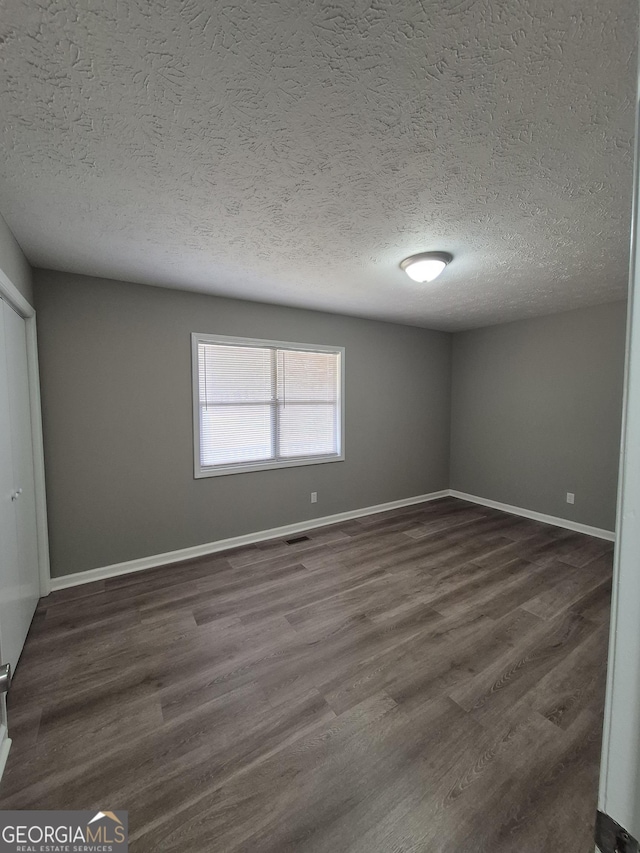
(295, 152)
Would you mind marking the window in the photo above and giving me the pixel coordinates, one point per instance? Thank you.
(265, 404)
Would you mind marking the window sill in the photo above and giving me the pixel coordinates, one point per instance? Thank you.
(244, 468)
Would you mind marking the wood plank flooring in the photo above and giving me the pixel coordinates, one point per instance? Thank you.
(428, 679)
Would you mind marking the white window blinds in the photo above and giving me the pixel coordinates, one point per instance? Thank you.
(262, 404)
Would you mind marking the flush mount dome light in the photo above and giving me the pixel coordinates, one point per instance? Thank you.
(426, 266)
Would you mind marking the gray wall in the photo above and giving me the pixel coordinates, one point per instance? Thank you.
(116, 395)
(536, 412)
(13, 262)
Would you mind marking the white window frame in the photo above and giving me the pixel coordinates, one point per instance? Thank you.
(262, 465)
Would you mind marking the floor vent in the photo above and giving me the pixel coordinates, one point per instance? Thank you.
(297, 539)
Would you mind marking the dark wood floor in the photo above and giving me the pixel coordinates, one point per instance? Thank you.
(430, 679)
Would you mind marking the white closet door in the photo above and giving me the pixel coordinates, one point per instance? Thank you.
(19, 574)
(9, 571)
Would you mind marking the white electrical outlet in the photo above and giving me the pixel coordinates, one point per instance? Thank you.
(571, 498)
(314, 497)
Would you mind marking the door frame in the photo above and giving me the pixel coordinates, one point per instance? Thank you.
(619, 794)
(12, 296)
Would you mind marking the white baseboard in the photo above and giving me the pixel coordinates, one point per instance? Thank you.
(599, 532)
(207, 548)
(195, 551)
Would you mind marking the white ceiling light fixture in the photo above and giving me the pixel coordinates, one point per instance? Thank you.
(426, 266)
